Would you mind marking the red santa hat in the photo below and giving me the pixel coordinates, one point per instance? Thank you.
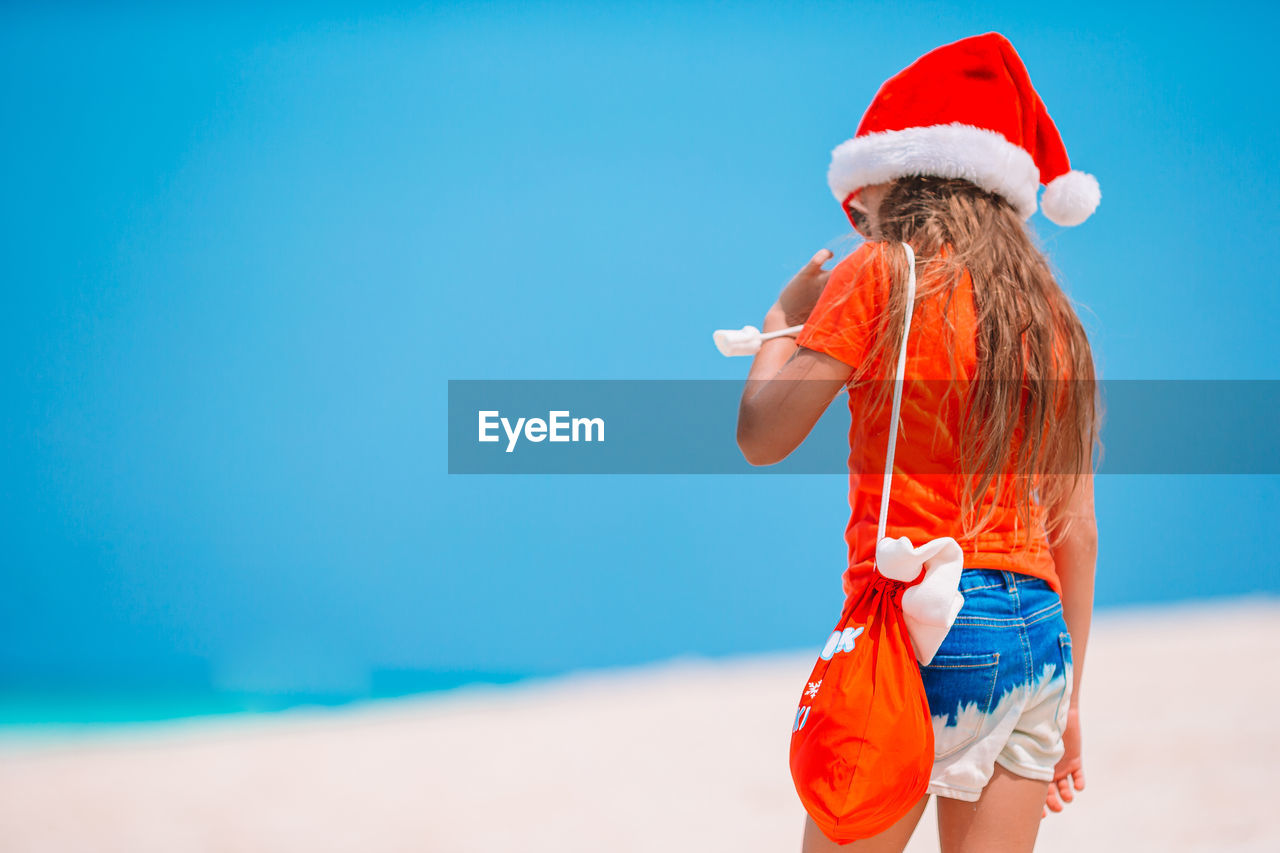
(966, 110)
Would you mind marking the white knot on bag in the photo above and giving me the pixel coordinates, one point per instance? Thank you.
(929, 607)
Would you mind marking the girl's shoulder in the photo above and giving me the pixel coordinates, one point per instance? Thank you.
(867, 269)
(844, 320)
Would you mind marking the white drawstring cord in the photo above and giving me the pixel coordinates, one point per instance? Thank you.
(898, 378)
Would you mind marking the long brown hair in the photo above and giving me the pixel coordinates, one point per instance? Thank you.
(1023, 418)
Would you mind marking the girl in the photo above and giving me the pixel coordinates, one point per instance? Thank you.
(998, 455)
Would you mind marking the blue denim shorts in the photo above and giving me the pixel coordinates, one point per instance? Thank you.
(1000, 685)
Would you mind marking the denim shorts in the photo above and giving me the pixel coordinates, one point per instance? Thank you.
(1000, 685)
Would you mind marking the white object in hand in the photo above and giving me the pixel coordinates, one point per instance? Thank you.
(747, 340)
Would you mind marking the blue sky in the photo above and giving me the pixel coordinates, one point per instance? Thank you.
(243, 251)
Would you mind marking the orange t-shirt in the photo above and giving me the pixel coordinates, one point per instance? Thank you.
(924, 502)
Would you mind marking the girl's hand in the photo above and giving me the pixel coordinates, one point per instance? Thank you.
(1070, 771)
(801, 293)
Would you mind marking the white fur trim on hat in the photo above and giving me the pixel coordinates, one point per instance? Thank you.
(1071, 198)
(982, 157)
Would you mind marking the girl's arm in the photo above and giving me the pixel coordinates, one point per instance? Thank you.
(1075, 558)
(788, 389)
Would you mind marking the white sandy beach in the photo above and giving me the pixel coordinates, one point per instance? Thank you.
(1180, 751)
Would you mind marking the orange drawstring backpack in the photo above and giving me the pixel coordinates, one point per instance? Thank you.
(862, 739)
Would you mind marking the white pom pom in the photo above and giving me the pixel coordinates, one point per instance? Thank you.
(1070, 199)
